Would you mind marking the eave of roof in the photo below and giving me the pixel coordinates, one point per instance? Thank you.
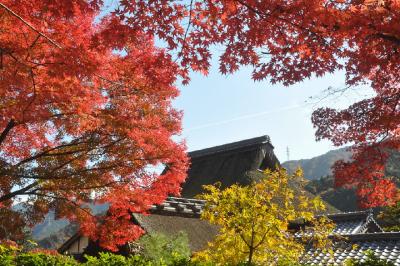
(345, 216)
(64, 247)
(373, 236)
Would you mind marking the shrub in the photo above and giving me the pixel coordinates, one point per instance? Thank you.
(179, 256)
(12, 256)
(160, 248)
(41, 259)
(7, 255)
(111, 260)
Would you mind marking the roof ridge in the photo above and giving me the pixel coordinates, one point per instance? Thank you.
(231, 146)
(349, 213)
(373, 236)
(371, 219)
(185, 199)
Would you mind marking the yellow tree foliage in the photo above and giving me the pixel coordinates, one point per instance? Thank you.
(254, 222)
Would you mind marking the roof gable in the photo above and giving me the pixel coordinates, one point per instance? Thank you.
(355, 222)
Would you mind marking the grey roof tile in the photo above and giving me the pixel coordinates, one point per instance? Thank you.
(384, 245)
(179, 206)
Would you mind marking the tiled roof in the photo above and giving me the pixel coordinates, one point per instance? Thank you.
(384, 245)
(354, 222)
(348, 223)
(179, 206)
(348, 227)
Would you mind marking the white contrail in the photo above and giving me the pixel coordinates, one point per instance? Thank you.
(244, 117)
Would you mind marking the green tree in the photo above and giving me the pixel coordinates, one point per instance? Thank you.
(160, 248)
(390, 217)
(254, 222)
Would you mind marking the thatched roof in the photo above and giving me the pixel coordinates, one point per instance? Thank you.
(199, 232)
(228, 164)
(179, 215)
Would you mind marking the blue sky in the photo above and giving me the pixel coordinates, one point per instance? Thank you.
(220, 109)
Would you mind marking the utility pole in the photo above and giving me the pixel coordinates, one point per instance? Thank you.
(287, 153)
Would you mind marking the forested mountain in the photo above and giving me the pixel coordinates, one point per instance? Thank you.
(318, 171)
(319, 166)
(51, 233)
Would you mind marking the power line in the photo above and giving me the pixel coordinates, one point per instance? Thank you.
(218, 123)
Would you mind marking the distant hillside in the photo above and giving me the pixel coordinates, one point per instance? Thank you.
(319, 166)
(318, 171)
(56, 239)
(51, 233)
(48, 227)
(342, 199)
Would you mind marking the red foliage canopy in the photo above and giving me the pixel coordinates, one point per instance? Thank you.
(288, 41)
(85, 110)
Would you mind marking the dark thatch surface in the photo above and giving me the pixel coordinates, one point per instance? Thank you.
(228, 164)
(199, 232)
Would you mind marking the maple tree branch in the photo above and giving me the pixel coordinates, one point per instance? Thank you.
(7, 130)
(1, 59)
(262, 239)
(388, 37)
(265, 16)
(50, 40)
(35, 41)
(244, 240)
(109, 184)
(77, 141)
(116, 83)
(251, 8)
(21, 191)
(61, 198)
(187, 28)
(34, 93)
(30, 25)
